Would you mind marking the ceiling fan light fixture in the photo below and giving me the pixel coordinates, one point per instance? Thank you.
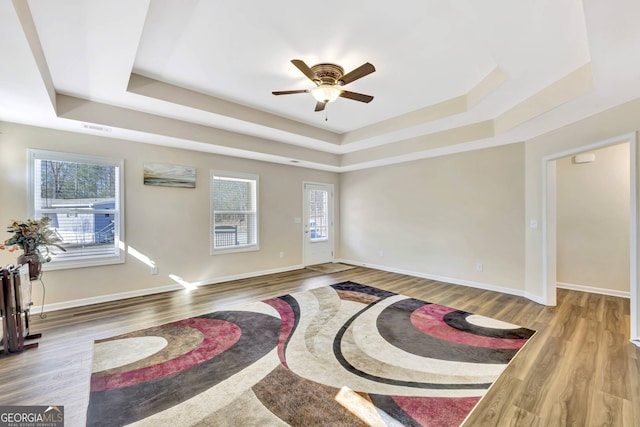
(328, 79)
(325, 93)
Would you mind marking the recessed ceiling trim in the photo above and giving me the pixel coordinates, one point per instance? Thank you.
(440, 110)
(571, 86)
(483, 89)
(471, 132)
(93, 112)
(31, 34)
(449, 107)
(156, 89)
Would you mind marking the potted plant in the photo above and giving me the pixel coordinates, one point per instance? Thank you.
(34, 237)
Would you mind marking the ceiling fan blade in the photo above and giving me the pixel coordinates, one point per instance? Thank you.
(305, 69)
(320, 106)
(359, 72)
(289, 92)
(356, 96)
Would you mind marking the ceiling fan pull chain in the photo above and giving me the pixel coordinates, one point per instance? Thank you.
(326, 115)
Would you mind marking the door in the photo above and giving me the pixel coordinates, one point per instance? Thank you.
(318, 223)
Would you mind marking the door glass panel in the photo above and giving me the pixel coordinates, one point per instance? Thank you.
(318, 215)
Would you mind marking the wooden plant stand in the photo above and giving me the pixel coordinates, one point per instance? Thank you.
(15, 302)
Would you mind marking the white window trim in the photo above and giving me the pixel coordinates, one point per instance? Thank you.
(243, 248)
(92, 261)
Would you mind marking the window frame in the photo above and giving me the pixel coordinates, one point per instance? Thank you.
(213, 173)
(118, 210)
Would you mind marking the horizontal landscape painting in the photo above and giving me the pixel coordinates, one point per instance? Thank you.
(169, 175)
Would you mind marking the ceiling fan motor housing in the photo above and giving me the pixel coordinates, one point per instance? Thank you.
(328, 73)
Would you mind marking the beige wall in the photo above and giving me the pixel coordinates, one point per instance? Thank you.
(440, 217)
(593, 220)
(608, 125)
(169, 225)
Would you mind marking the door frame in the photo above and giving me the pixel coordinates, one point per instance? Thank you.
(331, 219)
(549, 208)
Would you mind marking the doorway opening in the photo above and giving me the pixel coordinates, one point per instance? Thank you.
(549, 223)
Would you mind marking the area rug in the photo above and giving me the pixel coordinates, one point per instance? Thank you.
(340, 355)
(330, 267)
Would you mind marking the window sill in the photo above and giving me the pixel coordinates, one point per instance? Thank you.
(80, 263)
(235, 249)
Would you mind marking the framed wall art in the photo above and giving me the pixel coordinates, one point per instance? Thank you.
(165, 175)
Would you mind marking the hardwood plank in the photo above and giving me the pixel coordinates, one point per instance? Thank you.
(572, 384)
(614, 363)
(633, 375)
(579, 369)
(539, 379)
(608, 410)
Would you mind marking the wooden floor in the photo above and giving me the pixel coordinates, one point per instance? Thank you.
(579, 369)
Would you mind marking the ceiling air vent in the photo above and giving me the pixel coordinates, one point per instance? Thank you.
(96, 128)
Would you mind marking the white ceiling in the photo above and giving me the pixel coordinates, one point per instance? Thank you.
(198, 74)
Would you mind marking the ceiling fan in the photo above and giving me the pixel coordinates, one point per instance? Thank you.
(329, 78)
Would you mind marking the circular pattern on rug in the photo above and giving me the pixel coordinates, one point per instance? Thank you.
(451, 325)
(231, 341)
(487, 322)
(219, 335)
(116, 353)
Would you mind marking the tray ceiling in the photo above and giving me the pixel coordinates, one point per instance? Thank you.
(450, 76)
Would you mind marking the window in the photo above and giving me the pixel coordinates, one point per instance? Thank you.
(234, 212)
(83, 197)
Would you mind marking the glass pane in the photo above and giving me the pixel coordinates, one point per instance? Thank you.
(234, 229)
(83, 234)
(68, 183)
(318, 215)
(233, 195)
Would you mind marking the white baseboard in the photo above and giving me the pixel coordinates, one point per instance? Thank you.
(582, 288)
(103, 298)
(150, 291)
(534, 298)
(452, 280)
